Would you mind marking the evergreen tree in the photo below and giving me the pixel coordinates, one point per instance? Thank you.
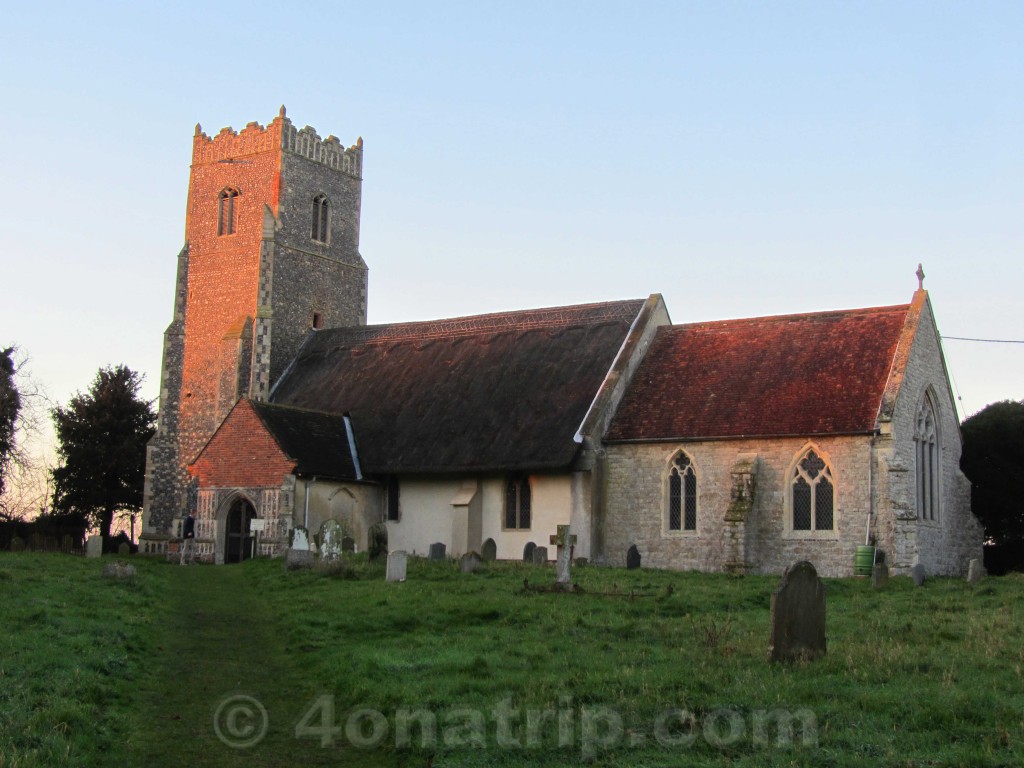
(993, 460)
(102, 436)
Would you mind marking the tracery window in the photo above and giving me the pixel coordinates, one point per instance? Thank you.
(321, 229)
(226, 211)
(926, 450)
(812, 494)
(682, 495)
(517, 503)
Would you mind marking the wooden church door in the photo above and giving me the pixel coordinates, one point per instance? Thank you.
(238, 541)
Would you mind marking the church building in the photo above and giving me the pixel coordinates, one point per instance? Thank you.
(739, 445)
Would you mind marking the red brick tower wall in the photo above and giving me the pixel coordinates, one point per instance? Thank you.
(223, 279)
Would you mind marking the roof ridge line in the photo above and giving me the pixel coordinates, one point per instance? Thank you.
(794, 316)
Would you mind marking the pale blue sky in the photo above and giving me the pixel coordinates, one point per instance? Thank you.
(739, 158)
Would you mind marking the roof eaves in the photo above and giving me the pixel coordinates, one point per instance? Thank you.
(724, 438)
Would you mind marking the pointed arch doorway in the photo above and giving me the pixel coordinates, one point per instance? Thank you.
(238, 540)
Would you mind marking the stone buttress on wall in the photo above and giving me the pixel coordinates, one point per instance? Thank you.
(251, 277)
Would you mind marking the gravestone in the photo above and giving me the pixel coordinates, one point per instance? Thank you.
(540, 555)
(299, 538)
(378, 546)
(975, 571)
(330, 540)
(917, 574)
(564, 542)
(879, 576)
(348, 544)
(437, 551)
(798, 615)
(489, 551)
(124, 549)
(297, 559)
(632, 558)
(396, 565)
(470, 562)
(528, 552)
(119, 571)
(94, 546)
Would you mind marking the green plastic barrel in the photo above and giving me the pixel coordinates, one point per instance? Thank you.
(864, 561)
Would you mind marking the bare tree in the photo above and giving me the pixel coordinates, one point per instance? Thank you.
(24, 449)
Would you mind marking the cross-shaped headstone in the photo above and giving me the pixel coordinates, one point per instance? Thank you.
(564, 541)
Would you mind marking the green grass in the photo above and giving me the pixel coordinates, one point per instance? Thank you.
(449, 668)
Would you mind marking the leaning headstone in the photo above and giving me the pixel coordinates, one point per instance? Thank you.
(94, 546)
(124, 549)
(299, 537)
(798, 615)
(437, 551)
(540, 555)
(298, 559)
(470, 562)
(917, 574)
(119, 571)
(528, 552)
(879, 576)
(348, 544)
(632, 557)
(975, 571)
(489, 551)
(378, 546)
(396, 565)
(330, 540)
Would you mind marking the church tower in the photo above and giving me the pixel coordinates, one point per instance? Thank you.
(271, 251)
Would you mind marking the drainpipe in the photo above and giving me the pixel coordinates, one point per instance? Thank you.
(305, 516)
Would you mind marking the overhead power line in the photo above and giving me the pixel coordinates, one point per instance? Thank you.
(985, 341)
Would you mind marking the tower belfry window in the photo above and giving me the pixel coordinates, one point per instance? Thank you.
(226, 211)
(321, 229)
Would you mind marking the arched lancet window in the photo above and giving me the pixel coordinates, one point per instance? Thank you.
(321, 230)
(682, 495)
(812, 494)
(517, 503)
(226, 212)
(926, 449)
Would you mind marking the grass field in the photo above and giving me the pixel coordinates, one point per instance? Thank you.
(250, 665)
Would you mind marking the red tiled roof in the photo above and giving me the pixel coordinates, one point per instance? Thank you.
(503, 391)
(812, 374)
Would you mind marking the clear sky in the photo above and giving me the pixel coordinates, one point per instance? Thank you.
(741, 158)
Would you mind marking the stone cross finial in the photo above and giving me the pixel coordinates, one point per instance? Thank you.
(920, 277)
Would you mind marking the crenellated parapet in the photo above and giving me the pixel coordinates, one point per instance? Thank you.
(330, 151)
(229, 145)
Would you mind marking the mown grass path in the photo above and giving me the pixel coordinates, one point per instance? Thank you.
(222, 688)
